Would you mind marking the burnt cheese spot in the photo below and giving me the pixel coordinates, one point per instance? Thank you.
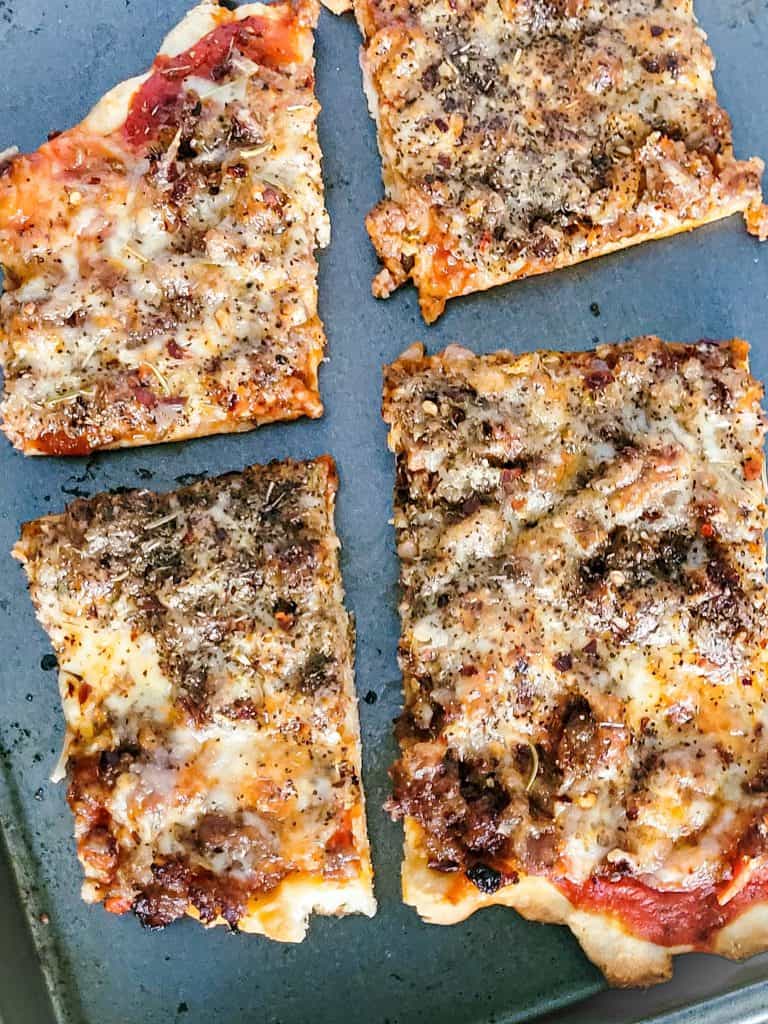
(485, 878)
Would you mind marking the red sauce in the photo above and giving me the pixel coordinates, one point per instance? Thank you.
(449, 274)
(342, 841)
(340, 850)
(58, 442)
(269, 41)
(684, 918)
(117, 904)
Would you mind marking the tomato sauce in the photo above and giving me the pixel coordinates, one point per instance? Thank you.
(58, 442)
(682, 918)
(343, 839)
(449, 273)
(268, 41)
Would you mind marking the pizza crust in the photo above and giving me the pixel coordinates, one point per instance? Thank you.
(337, 6)
(745, 936)
(433, 305)
(485, 184)
(146, 347)
(571, 694)
(284, 915)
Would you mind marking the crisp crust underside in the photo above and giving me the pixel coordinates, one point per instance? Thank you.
(443, 899)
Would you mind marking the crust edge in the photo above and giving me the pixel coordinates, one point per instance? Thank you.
(626, 960)
(433, 304)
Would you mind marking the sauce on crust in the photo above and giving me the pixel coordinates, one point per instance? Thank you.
(160, 278)
(685, 918)
(271, 42)
(206, 676)
(582, 551)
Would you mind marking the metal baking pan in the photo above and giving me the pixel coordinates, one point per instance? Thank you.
(60, 960)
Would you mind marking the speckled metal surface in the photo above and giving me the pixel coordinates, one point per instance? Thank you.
(56, 58)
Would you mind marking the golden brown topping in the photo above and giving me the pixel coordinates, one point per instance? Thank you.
(523, 136)
(206, 675)
(160, 276)
(583, 572)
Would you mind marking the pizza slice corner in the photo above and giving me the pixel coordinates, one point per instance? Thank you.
(160, 277)
(520, 138)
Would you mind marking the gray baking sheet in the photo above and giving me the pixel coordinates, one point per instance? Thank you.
(56, 58)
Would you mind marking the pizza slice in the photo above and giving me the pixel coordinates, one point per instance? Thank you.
(205, 667)
(583, 644)
(519, 137)
(159, 257)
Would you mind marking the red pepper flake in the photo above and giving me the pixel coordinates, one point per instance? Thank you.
(285, 620)
(707, 530)
(468, 670)
(598, 376)
(175, 350)
(753, 467)
(272, 199)
(84, 692)
(563, 662)
(508, 476)
(144, 396)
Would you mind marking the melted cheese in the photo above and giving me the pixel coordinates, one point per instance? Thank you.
(517, 137)
(206, 680)
(167, 289)
(583, 570)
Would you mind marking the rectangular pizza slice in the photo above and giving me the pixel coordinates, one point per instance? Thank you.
(525, 135)
(584, 645)
(206, 674)
(159, 257)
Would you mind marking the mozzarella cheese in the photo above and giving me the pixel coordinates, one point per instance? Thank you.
(521, 136)
(159, 257)
(583, 571)
(206, 678)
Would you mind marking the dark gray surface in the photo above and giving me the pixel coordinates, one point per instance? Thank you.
(56, 59)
